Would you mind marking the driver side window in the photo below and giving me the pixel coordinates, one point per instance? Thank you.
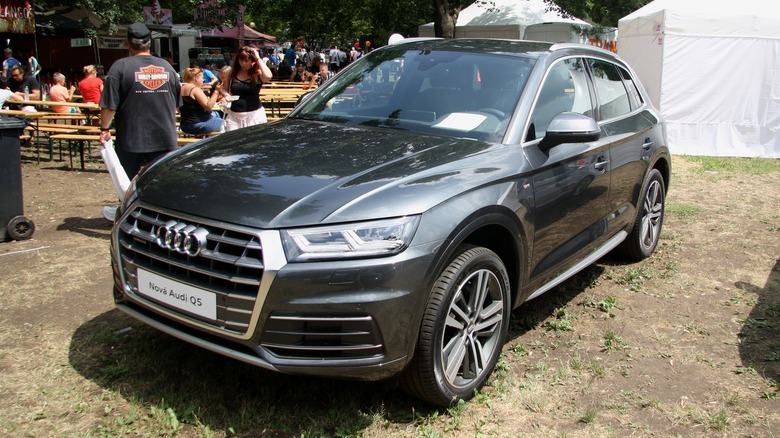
(565, 88)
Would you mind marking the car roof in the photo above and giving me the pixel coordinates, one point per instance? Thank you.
(533, 49)
(482, 45)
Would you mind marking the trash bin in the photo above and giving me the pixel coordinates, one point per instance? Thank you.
(13, 224)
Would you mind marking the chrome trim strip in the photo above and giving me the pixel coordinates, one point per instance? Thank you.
(584, 263)
(229, 352)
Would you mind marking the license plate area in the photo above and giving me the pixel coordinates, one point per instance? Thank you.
(183, 297)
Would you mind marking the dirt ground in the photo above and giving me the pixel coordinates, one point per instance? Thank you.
(683, 344)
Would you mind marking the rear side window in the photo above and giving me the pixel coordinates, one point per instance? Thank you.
(633, 91)
(610, 90)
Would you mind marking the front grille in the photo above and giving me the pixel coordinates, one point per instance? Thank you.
(230, 264)
(296, 336)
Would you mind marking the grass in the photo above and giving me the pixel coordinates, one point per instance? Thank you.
(611, 341)
(561, 321)
(605, 305)
(741, 166)
(683, 211)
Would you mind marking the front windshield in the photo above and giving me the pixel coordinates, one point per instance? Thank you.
(455, 94)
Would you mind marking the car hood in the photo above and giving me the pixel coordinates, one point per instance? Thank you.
(297, 173)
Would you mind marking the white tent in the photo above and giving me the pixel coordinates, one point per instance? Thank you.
(509, 19)
(713, 69)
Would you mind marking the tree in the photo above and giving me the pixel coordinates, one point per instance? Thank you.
(445, 15)
(602, 12)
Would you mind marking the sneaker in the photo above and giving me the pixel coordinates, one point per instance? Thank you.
(109, 213)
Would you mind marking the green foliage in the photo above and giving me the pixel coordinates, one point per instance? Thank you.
(318, 24)
(603, 12)
(321, 24)
(612, 341)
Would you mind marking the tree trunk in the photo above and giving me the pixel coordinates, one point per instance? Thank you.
(445, 15)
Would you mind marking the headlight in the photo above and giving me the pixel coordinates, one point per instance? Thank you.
(364, 239)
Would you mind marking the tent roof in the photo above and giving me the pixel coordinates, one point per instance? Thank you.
(249, 34)
(705, 17)
(511, 12)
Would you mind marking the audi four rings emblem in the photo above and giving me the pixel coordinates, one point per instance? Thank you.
(181, 237)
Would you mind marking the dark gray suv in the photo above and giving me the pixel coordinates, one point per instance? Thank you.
(391, 222)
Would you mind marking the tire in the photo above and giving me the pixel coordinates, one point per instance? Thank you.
(643, 239)
(462, 331)
(20, 228)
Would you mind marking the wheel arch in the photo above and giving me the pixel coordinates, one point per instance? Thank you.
(664, 165)
(498, 229)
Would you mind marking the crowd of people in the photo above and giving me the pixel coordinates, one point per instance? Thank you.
(142, 115)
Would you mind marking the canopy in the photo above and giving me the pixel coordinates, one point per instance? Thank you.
(233, 33)
(502, 19)
(711, 68)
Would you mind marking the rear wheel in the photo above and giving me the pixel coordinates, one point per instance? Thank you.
(463, 329)
(643, 239)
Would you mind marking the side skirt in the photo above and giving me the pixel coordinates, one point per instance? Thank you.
(584, 263)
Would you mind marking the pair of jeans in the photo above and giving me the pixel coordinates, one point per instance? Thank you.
(214, 124)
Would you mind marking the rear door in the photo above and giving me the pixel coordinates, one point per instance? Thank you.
(628, 125)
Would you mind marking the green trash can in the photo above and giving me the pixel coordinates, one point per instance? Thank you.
(13, 224)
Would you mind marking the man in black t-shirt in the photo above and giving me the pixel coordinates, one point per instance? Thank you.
(140, 95)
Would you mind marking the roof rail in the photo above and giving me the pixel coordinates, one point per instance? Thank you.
(580, 46)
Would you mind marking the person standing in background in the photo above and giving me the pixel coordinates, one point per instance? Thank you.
(246, 79)
(140, 95)
(9, 62)
(33, 66)
(91, 87)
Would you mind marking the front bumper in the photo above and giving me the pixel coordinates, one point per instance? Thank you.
(350, 319)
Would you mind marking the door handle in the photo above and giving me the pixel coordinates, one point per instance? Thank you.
(647, 144)
(601, 163)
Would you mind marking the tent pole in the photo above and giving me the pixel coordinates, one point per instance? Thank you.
(35, 33)
(97, 51)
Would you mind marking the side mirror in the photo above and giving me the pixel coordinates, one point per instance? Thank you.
(569, 127)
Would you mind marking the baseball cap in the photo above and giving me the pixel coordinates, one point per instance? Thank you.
(138, 31)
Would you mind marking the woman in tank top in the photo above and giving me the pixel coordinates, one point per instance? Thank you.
(243, 90)
(197, 116)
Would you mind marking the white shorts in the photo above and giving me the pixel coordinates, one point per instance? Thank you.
(234, 120)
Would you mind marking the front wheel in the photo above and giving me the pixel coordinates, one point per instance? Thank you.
(463, 329)
(643, 239)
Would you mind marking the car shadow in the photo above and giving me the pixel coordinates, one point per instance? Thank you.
(759, 345)
(150, 368)
(98, 228)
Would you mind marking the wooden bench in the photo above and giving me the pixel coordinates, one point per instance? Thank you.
(280, 102)
(43, 131)
(80, 139)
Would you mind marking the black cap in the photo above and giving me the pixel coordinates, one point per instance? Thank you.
(138, 31)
